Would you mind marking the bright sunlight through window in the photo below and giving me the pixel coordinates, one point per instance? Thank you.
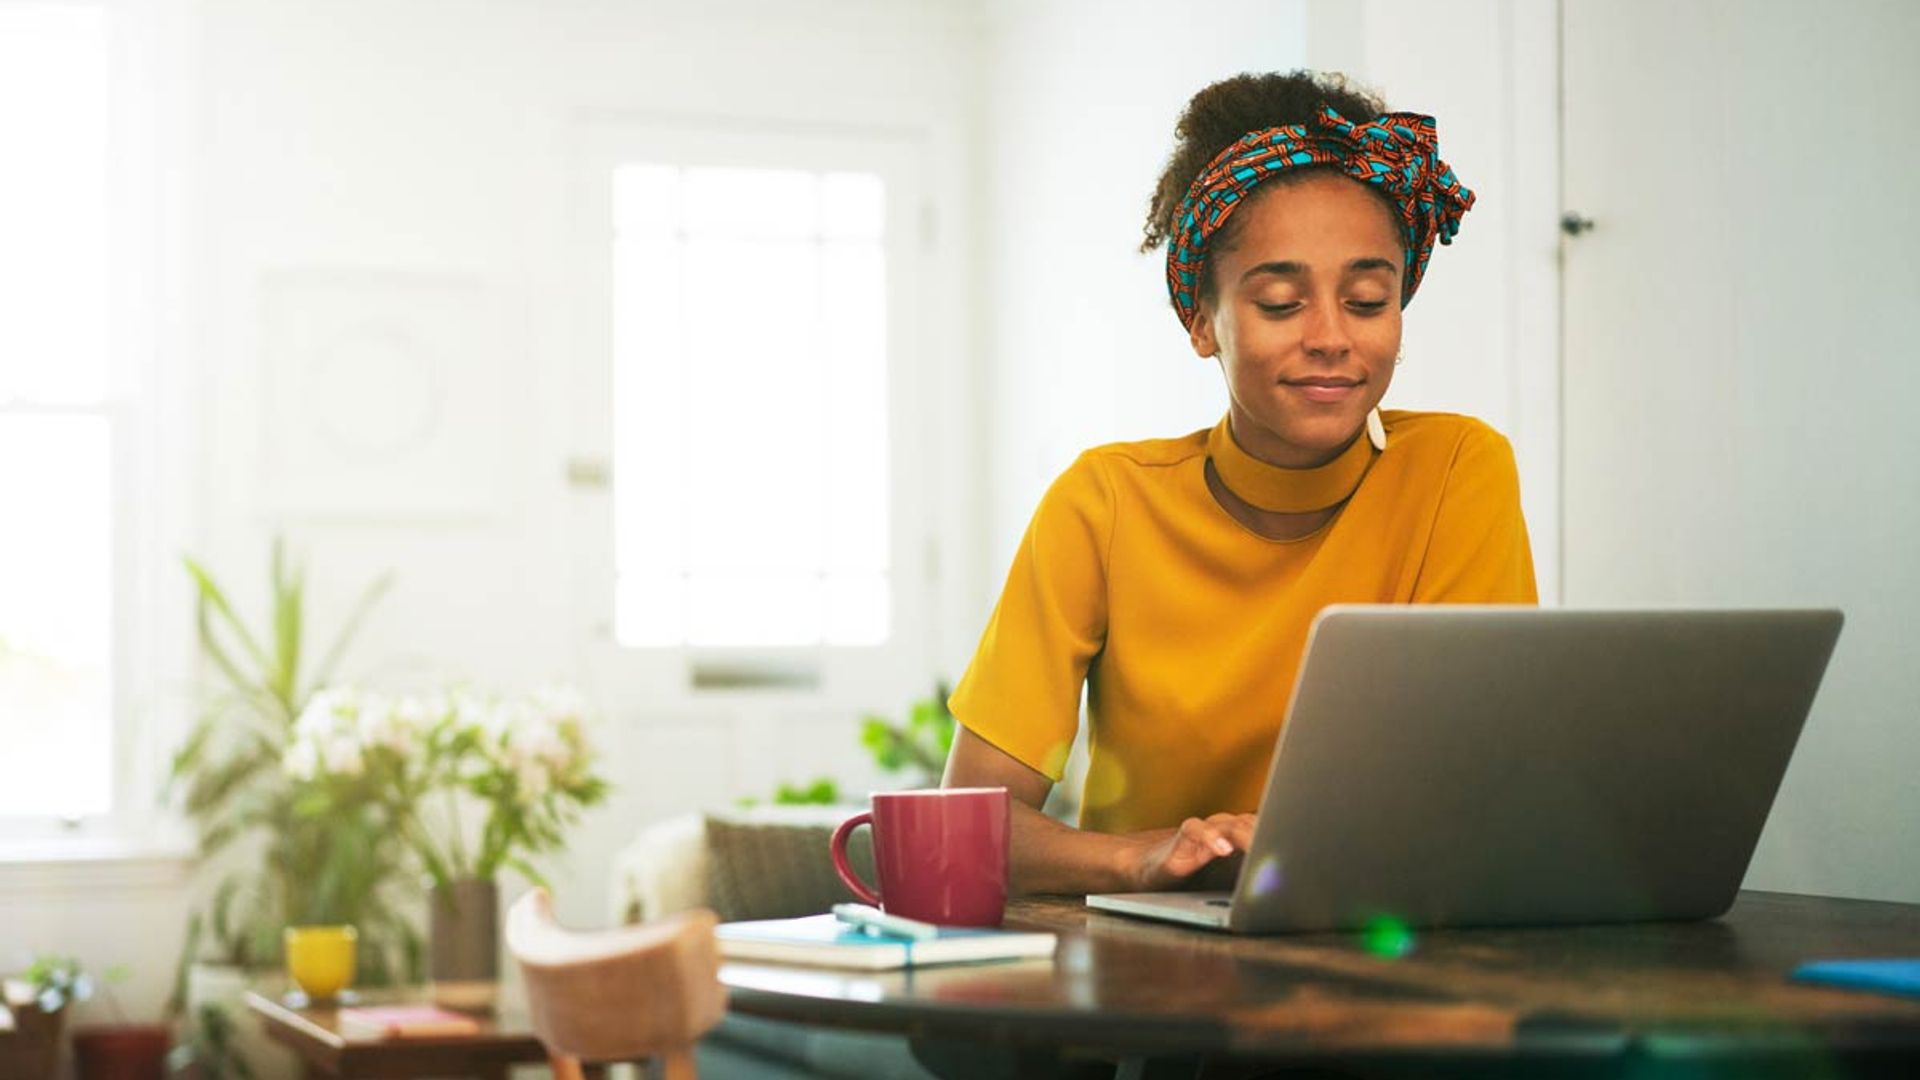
(750, 384)
(56, 725)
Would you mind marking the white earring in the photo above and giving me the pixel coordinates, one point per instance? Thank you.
(1376, 431)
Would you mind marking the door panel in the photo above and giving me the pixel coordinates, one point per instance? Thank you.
(1740, 367)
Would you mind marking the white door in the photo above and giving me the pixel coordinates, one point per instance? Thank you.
(754, 559)
(1741, 368)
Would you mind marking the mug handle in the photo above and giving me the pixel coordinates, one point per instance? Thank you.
(840, 864)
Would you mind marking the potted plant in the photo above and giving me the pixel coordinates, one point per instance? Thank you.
(209, 1048)
(920, 743)
(119, 1050)
(33, 1012)
(917, 745)
(478, 784)
(284, 850)
(217, 967)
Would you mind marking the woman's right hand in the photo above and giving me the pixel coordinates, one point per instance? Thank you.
(1164, 858)
(1048, 857)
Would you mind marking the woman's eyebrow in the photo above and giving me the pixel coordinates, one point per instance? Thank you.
(1290, 268)
(1372, 263)
(1284, 268)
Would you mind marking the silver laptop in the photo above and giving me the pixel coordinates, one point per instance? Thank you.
(1472, 766)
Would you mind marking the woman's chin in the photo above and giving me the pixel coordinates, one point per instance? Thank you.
(1324, 435)
(1299, 440)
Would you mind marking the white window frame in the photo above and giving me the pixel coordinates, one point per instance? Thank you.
(665, 677)
(146, 418)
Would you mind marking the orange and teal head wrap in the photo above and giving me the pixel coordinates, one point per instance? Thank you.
(1399, 153)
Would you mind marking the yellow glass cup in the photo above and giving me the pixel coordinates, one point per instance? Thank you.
(320, 959)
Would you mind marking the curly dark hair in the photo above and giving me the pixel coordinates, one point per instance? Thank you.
(1219, 114)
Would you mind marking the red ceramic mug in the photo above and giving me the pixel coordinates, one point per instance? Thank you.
(941, 854)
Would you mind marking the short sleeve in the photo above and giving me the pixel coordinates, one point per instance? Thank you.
(1478, 552)
(1021, 692)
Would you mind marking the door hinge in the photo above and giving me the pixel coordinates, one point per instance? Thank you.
(589, 473)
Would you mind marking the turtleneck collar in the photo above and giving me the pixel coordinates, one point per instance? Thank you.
(1287, 491)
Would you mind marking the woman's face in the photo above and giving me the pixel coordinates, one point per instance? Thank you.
(1305, 317)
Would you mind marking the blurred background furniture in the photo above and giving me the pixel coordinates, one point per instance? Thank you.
(314, 1036)
(759, 862)
(626, 994)
(29, 1037)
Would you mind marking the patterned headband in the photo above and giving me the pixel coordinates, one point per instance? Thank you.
(1398, 152)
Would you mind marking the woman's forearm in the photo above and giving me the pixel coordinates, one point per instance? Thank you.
(1049, 857)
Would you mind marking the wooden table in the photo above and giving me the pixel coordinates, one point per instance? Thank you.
(313, 1033)
(1650, 998)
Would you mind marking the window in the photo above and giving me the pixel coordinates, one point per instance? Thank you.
(750, 393)
(750, 436)
(60, 410)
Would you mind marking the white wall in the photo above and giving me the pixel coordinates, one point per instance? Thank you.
(1081, 347)
(385, 141)
(1483, 335)
(1741, 374)
(124, 912)
(436, 137)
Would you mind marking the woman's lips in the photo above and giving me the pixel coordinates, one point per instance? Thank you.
(1324, 393)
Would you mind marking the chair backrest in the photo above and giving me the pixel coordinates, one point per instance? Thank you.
(622, 994)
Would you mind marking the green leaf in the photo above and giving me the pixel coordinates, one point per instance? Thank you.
(885, 743)
(288, 602)
(324, 671)
(315, 803)
(526, 870)
(186, 760)
(177, 995)
(823, 791)
(211, 594)
(210, 644)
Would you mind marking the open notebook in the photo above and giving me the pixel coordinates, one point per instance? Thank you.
(825, 941)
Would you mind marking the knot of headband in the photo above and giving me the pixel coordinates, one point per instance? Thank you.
(1398, 152)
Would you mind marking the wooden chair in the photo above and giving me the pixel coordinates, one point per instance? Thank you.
(626, 994)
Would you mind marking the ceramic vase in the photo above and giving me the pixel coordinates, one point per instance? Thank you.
(121, 1051)
(463, 957)
(30, 1040)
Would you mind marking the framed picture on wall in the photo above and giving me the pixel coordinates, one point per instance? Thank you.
(386, 394)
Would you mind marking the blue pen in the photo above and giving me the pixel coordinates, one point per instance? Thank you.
(873, 919)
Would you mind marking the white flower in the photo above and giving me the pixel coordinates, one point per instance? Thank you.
(337, 728)
(302, 761)
(341, 754)
(491, 717)
(535, 738)
(377, 724)
(560, 738)
(326, 712)
(418, 714)
(531, 782)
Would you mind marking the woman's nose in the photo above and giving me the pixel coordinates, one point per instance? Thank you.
(1325, 332)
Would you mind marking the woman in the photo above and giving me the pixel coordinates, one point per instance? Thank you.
(1177, 578)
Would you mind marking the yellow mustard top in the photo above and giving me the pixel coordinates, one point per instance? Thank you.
(1187, 627)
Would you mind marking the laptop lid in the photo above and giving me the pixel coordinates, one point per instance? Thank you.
(1458, 766)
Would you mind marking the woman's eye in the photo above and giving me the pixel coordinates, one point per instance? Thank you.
(1367, 306)
(1286, 308)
